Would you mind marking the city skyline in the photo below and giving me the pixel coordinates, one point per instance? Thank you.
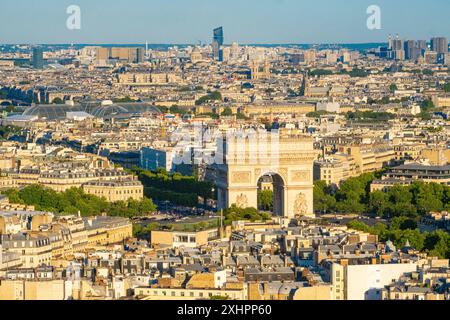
(206, 150)
(272, 22)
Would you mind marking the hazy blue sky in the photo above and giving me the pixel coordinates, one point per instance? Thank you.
(245, 21)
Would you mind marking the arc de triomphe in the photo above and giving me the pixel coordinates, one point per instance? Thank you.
(289, 159)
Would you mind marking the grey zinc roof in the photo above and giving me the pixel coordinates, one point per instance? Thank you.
(271, 260)
(247, 260)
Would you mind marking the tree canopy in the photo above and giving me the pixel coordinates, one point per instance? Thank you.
(265, 200)
(76, 200)
(213, 96)
(227, 112)
(402, 230)
(176, 188)
(250, 214)
(354, 196)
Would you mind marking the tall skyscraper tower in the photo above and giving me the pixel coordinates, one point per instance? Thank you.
(397, 44)
(412, 52)
(218, 43)
(422, 45)
(38, 58)
(439, 45)
(137, 55)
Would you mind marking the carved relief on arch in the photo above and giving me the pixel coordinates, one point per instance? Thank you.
(301, 205)
(241, 177)
(242, 201)
(301, 176)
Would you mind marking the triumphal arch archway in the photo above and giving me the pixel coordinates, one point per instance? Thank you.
(287, 158)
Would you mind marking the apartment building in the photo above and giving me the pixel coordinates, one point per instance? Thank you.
(34, 248)
(365, 281)
(113, 191)
(176, 239)
(410, 173)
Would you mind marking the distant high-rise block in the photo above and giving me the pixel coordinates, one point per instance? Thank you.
(38, 58)
(397, 44)
(439, 45)
(136, 55)
(383, 52)
(102, 54)
(218, 40)
(422, 44)
(410, 45)
(130, 55)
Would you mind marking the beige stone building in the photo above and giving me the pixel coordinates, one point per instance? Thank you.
(273, 108)
(313, 293)
(176, 239)
(7, 182)
(437, 156)
(32, 290)
(408, 151)
(441, 101)
(288, 291)
(108, 230)
(7, 161)
(368, 158)
(145, 293)
(113, 191)
(62, 181)
(332, 171)
(34, 247)
(407, 174)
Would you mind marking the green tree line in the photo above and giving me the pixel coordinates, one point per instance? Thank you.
(7, 131)
(249, 214)
(176, 188)
(213, 96)
(76, 200)
(354, 196)
(370, 115)
(265, 200)
(402, 230)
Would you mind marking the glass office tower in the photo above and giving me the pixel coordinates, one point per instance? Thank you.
(217, 44)
(38, 58)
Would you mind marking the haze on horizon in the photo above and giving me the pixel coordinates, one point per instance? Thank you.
(244, 21)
